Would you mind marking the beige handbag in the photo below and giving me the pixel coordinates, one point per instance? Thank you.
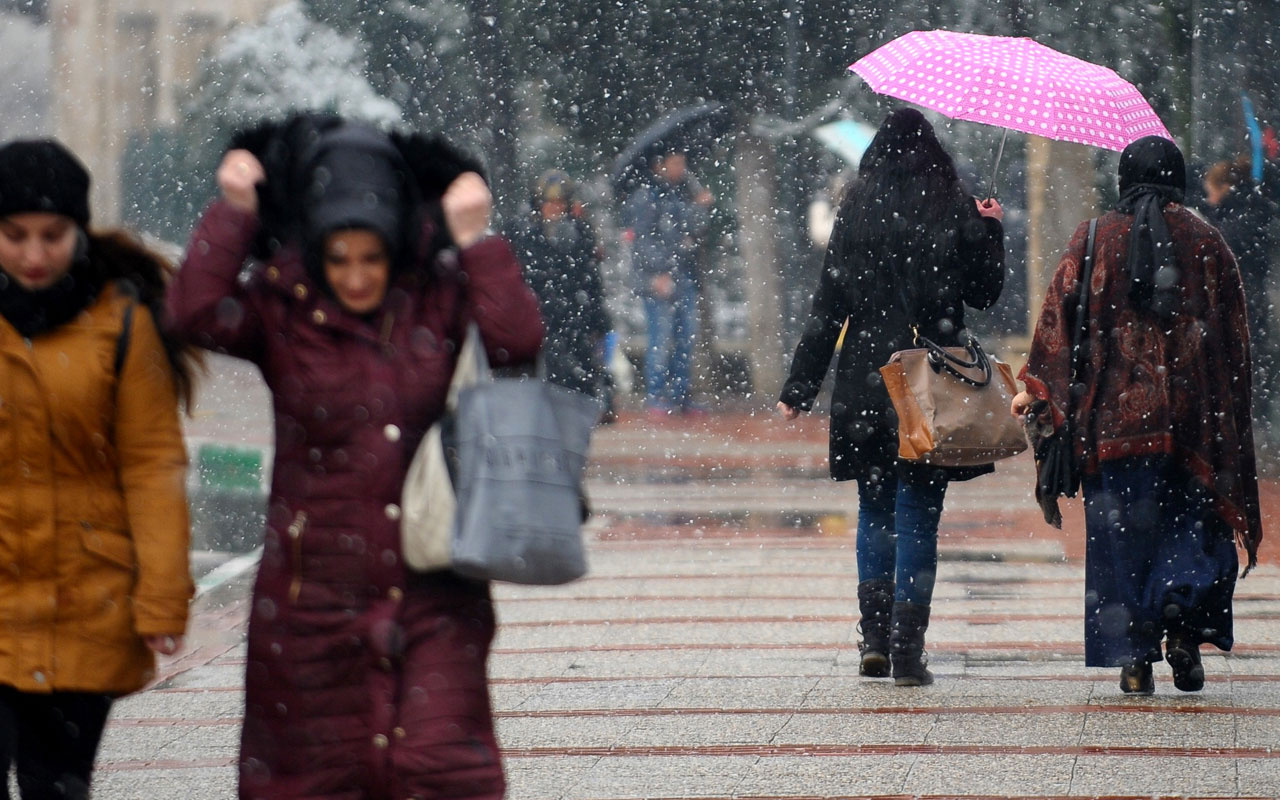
(953, 405)
(428, 503)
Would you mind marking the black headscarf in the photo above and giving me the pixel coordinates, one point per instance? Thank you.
(1152, 174)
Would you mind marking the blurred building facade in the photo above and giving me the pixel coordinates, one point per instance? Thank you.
(121, 67)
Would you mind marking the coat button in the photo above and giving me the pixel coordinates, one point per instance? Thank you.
(393, 511)
(273, 274)
(38, 676)
(392, 433)
(380, 741)
(300, 291)
(319, 316)
(385, 663)
(399, 733)
(395, 594)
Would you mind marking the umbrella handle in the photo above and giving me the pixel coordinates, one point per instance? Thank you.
(995, 169)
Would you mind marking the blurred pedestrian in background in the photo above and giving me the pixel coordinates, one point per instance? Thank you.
(561, 260)
(668, 215)
(367, 258)
(95, 534)
(1163, 422)
(910, 248)
(1237, 207)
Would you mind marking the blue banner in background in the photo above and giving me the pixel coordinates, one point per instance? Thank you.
(1255, 137)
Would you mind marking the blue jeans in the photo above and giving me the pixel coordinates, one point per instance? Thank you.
(898, 535)
(672, 324)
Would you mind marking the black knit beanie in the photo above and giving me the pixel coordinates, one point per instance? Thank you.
(43, 176)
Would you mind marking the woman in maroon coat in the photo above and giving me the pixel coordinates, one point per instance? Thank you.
(1163, 414)
(364, 679)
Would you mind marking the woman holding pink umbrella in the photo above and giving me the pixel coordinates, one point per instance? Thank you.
(910, 249)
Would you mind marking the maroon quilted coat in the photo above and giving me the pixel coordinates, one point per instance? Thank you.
(364, 680)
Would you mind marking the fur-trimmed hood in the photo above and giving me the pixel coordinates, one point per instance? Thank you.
(286, 149)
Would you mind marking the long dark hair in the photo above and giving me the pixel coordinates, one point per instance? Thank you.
(903, 210)
(120, 257)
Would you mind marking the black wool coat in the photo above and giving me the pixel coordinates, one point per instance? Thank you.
(1244, 218)
(562, 267)
(864, 427)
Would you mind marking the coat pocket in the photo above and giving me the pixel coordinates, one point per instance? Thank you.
(109, 545)
(108, 573)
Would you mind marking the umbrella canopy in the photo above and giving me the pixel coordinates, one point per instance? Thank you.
(692, 130)
(1013, 83)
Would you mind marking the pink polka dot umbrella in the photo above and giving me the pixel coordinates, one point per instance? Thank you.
(1013, 83)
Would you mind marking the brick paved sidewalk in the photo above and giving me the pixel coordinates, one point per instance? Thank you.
(710, 654)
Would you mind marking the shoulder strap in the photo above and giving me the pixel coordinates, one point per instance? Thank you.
(904, 302)
(122, 343)
(1082, 314)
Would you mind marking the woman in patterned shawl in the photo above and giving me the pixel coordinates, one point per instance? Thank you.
(1162, 406)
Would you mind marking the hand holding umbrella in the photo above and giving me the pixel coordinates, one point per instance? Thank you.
(990, 208)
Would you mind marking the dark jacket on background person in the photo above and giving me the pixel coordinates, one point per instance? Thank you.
(562, 267)
(864, 427)
(347, 647)
(669, 225)
(1244, 218)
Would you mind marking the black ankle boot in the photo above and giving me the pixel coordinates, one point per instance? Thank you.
(875, 602)
(906, 645)
(1137, 678)
(1183, 655)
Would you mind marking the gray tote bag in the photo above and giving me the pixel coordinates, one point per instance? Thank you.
(521, 446)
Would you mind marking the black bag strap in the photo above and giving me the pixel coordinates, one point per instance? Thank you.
(1082, 317)
(939, 358)
(122, 343)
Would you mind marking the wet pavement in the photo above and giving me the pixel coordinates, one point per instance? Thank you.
(711, 651)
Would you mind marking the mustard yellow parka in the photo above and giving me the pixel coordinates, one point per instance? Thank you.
(93, 515)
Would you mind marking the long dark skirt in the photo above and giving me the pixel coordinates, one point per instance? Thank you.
(1158, 560)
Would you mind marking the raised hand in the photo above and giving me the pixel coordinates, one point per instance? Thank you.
(238, 177)
(467, 207)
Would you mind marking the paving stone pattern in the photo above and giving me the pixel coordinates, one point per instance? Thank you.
(711, 653)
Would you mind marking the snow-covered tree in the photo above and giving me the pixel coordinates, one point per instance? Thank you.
(288, 63)
(418, 55)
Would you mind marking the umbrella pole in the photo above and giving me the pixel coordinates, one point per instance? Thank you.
(995, 170)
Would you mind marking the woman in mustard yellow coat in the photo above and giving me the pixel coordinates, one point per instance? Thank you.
(93, 519)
